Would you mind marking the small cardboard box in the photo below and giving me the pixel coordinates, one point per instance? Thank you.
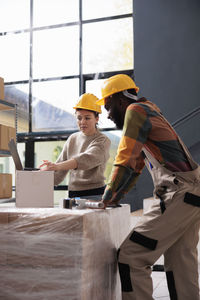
(11, 133)
(1, 89)
(34, 189)
(3, 137)
(5, 185)
(6, 134)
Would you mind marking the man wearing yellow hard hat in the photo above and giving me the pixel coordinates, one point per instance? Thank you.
(84, 154)
(171, 227)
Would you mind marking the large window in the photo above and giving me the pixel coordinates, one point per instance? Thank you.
(50, 48)
(51, 51)
(109, 50)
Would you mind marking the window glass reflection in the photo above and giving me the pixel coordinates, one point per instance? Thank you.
(114, 137)
(94, 87)
(109, 50)
(18, 94)
(55, 52)
(14, 15)
(93, 9)
(53, 103)
(14, 58)
(51, 151)
(50, 12)
(7, 164)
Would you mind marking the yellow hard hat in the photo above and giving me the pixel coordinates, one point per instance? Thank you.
(116, 84)
(89, 102)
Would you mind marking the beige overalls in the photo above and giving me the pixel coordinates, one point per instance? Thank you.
(170, 227)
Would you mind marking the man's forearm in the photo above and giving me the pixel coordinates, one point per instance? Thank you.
(122, 180)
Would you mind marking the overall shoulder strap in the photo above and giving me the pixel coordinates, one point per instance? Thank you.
(151, 159)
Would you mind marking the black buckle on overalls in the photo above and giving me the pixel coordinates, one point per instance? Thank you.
(162, 203)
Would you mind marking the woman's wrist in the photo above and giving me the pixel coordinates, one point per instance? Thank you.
(58, 167)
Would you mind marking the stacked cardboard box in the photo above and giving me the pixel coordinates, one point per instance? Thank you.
(5, 185)
(6, 134)
(60, 253)
(1, 88)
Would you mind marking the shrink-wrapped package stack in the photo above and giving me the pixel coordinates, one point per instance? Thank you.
(56, 253)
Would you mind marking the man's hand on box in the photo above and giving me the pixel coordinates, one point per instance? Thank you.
(111, 199)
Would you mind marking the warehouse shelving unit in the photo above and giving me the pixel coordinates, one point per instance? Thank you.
(5, 106)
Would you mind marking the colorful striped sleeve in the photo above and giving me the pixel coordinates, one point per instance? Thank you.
(129, 161)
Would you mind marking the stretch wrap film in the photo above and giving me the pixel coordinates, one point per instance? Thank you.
(56, 253)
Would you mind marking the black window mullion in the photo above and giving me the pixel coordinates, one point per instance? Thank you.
(31, 66)
(81, 85)
(29, 154)
(29, 146)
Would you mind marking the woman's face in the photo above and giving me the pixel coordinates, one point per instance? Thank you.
(86, 121)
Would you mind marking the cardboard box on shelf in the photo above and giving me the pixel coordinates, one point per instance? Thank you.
(5, 185)
(6, 134)
(3, 137)
(34, 189)
(1, 88)
(11, 133)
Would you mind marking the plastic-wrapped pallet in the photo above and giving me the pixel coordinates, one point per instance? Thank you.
(61, 254)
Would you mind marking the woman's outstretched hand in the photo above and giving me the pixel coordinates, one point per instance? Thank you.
(48, 166)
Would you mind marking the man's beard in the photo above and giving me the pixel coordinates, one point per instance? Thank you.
(117, 119)
(119, 124)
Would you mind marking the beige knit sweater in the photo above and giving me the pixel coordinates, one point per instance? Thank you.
(91, 154)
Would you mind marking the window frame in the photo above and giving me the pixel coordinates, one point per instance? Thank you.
(30, 137)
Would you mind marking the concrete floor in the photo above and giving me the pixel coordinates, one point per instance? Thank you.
(160, 285)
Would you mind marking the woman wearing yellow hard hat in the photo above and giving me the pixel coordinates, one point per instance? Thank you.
(84, 154)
